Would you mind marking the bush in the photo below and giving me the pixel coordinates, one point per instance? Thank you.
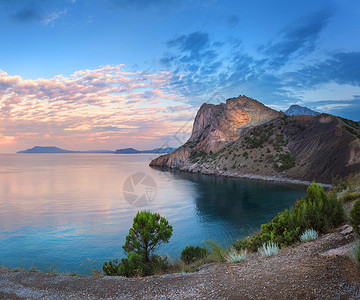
(134, 266)
(308, 235)
(355, 217)
(234, 256)
(286, 160)
(110, 268)
(190, 254)
(317, 210)
(217, 252)
(348, 197)
(355, 252)
(269, 249)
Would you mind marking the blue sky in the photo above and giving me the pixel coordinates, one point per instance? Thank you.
(165, 58)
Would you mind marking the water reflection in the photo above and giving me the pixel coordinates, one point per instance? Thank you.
(63, 209)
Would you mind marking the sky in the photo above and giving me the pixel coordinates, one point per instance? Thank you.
(111, 74)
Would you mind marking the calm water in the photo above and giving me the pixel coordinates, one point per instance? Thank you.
(68, 210)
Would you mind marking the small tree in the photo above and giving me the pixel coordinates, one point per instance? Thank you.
(148, 232)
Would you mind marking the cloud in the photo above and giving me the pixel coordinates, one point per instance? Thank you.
(233, 20)
(107, 105)
(6, 140)
(340, 67)
(297, 39)
(30, 11)
(192, 46)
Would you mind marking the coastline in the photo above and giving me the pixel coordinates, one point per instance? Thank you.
(319, 269)
(244, 176)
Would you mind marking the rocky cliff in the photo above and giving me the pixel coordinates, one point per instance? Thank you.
(242, 137)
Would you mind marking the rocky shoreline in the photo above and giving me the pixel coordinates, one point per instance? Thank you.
(203, 170)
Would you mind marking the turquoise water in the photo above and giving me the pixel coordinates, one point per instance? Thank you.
(68, 211)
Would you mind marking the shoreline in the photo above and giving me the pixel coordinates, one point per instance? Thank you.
(298, 268)
(245, 176)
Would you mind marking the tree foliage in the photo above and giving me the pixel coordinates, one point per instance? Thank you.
(317, 210)
(355, 217)
(148, 232)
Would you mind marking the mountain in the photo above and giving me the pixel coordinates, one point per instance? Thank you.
(39, 149)
(244, 138)
(134, 151)
(297, 110)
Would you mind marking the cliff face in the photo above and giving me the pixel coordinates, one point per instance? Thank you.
(244, 137)
(217, 125)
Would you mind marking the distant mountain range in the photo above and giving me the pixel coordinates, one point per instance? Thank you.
(297, 110)
(40, 149)
(134, 151)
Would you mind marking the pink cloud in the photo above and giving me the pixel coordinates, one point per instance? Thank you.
(108, 107)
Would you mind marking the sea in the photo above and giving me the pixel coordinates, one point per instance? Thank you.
(71, 212)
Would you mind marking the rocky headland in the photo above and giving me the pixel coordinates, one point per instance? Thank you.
(244, 138)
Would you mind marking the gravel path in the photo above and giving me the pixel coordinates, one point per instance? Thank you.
(306, 271)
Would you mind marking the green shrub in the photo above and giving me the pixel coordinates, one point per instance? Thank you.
(355, 217)
(110, 268)
(348, 197)
(134, 266)
(287, 161)
(191, 254)
(354, 252)
(217, 252)
(317, 210)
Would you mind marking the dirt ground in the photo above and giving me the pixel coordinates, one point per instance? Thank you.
(306, 271)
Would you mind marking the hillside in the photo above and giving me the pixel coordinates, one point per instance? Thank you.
(242, 137)
(312, 270)
(134, 151)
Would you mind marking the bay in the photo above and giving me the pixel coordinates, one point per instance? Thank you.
(71, 212)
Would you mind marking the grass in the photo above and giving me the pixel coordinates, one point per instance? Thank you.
(234, 256)
(309, 235)
(354, 252)
(269, 249)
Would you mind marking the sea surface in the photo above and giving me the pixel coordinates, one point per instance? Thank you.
(71, 212)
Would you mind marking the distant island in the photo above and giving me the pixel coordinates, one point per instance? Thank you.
(52, 149)
(134, 151)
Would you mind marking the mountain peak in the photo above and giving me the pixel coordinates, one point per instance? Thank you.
(297, 110)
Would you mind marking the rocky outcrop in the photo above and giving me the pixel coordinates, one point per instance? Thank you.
(215, 126)
(242, 137)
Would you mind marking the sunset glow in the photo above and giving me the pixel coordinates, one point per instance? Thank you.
(86, 75)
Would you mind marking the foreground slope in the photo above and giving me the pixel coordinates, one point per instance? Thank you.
(306, 271)
(242, 137)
